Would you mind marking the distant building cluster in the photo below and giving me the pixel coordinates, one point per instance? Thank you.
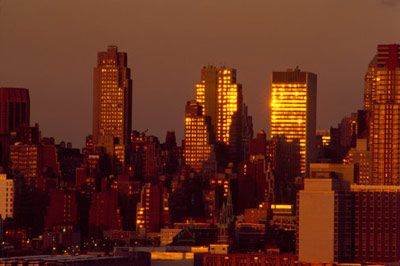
(224, 195)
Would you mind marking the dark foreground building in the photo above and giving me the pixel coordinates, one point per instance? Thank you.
(248, 259)
(137, 259)
(376, 223)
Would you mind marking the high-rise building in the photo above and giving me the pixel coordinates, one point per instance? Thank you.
(14, 113)
(25, 160)
(382, 102)
(198, 132)
(6, 197)
(293, 111)
(14, 109)
(221, 98)
(104, 212)
(345, 135)
(209, 205)
(62, 210)
(376, 196)
(255, 178)
(348, 131)
(284, 156)
(258, 146)
(324, 219)
(28, 135)
(255, 184)
(112, 102)
(376, 223)
(207, 93)
(151, 157)
(169, 154)
(145, 153)
(360, 156)
(323, 139)
(152, 212)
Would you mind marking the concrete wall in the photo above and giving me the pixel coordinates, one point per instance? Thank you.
(316, 221)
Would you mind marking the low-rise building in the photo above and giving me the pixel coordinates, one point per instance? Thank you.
(6, 197)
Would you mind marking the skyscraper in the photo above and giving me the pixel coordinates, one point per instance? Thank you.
(198, 136)
(293, 111)
(14, 109)
(112, 102)
(14, 113)
(377, 194)
(221, 98)
(206, 92)
(382, 102)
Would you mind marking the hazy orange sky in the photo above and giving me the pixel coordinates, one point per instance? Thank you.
(50, 47)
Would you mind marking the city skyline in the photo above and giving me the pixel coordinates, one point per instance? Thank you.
(202, 133)
(268, 50)
(224, 187)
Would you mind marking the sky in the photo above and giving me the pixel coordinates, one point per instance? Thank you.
(50, 47)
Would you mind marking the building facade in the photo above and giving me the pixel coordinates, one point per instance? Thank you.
(62, 210)
(293, 111)
(198, 136)
(112, 102)
(14, 109)
(325, 220)
(25, 160)
(152, 212)
(248, 259)
(6, 197)
(360, 156)
(376, 223)
(382, 102)
(284, 155)
(104, 212)
(14, 113)
(220, 96)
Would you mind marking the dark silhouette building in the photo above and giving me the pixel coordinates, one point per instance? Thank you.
(14, 113)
